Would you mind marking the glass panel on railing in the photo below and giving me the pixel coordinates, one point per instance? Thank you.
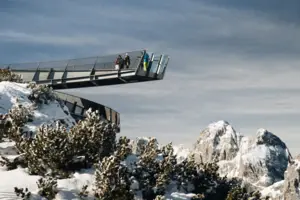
(54, 64)
(104, 65)
(163, 63)
(78, 110)
(32, 66)
(100, 62)
(69, 106)
(155, 62)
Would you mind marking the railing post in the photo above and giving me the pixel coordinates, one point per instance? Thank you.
(51, 75)
(36, 75)
(158, 67)
(139, 63)
(166, 64)
(92, 74)
(64, 76)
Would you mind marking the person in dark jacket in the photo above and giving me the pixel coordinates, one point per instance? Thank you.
(119, 62)
(127, 60)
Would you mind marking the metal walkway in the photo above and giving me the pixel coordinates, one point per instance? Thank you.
(88, 72)
(94, 71)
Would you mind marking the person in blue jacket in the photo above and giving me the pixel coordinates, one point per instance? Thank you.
(146, 60)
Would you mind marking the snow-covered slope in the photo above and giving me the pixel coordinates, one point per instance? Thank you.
(13, 93)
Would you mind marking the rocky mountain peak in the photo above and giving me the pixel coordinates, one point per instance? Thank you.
(219, 141)
(260, 160)
(267, 138)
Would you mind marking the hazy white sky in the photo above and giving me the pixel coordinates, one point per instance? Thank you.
(236, 61)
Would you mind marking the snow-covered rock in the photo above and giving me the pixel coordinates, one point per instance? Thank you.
(260, 160)
(13, 93)
(291, 187)
(219, 141)
(181, 152)
(274, 191)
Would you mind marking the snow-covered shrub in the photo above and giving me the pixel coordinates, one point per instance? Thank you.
(18, 116)
(41, 94)
(160, 197)
(93, 138)
(185, 174)
(166, 166)
(202, 179)
(59, 152)
(47, 187)
(25, 194)
(84, 192)
(155, 170)
(7, 75)
(198, 197)
(147, 168)
(5, 125)
(50, 149)
(140, 144)
(12, 163)
(13, 129)
(112, 180)
(158, 169)
(123, 148)
(112, 177)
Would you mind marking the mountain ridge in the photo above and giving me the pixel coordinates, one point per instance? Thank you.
(263, 161)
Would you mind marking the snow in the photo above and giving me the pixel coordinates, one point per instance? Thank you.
(274, 190)
(222, 134)
(7, 144)
(9, 92)
(68, 188)
(181, 152)
(12, 93)
(178, 196)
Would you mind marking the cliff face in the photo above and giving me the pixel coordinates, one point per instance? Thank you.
(291, 180)
(260, 161)
(219, 141)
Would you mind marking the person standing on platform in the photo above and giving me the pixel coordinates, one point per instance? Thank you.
(127, 60)
(119, 63)
(146, 60)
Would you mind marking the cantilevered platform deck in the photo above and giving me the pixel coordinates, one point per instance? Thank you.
(88, 72)
(94, 71)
